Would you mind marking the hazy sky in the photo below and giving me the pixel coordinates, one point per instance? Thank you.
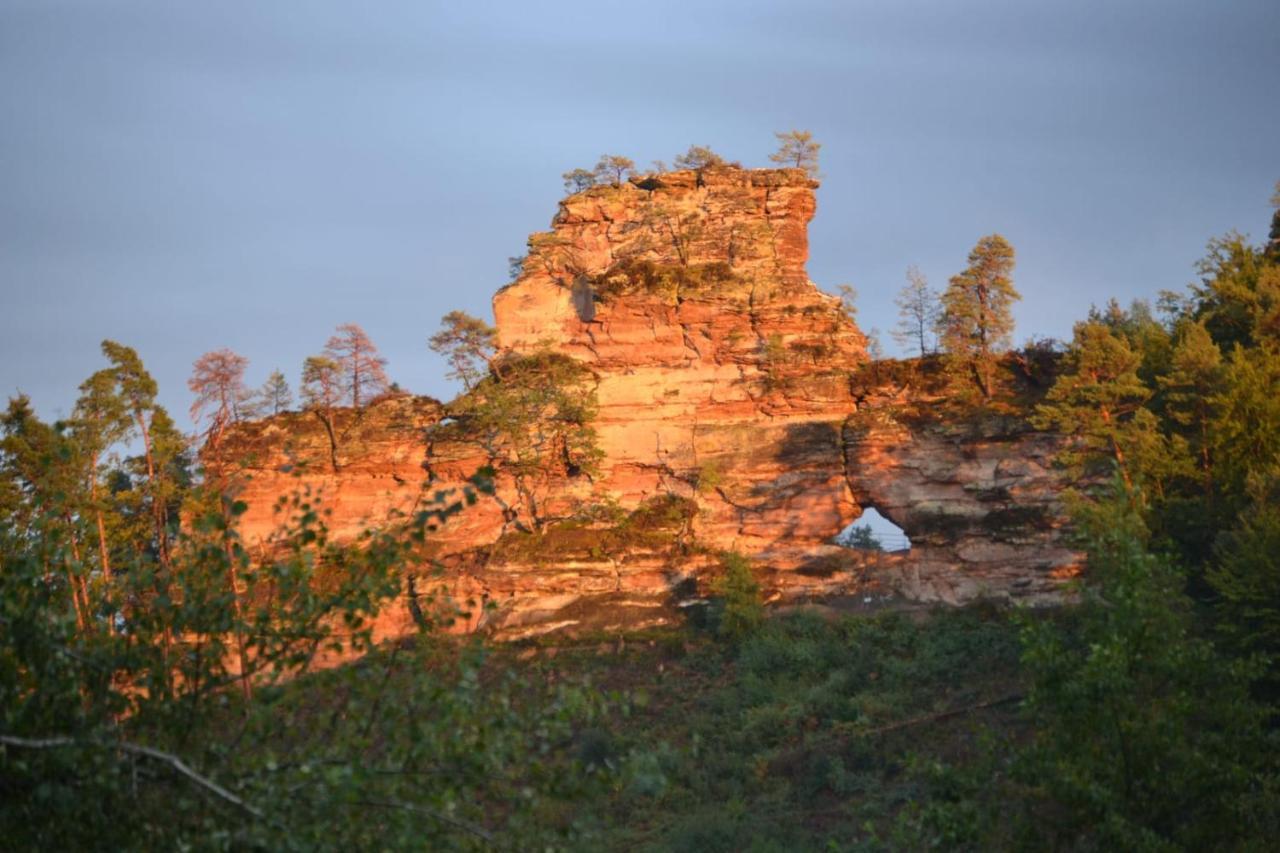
(182, 176)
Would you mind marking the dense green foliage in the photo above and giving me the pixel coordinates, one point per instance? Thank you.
(815, 730)
(1188, 411)
(1098, 400)
(1146, 736)
(671, 282)
(163, 686)
(604, 532)
(154, 687)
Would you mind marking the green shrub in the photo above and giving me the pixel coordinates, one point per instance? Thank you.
(669, 281)
(709, 476)
(742, 608)
(1146, 737)
(1246, 577)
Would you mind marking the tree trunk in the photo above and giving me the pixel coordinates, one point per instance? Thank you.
(103, 554)
(157, 505)
(1116, 451)
(981, 378)
(530, 503)
(326, 419)
(162, 541)
(492, 361)
(234, 580)
(75, 599)
(79, 594)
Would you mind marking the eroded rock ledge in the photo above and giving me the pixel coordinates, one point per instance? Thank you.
(724, 383)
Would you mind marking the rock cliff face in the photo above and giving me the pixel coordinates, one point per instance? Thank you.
(362, 467)
(720, 367)
(979, 500)
(726, 411)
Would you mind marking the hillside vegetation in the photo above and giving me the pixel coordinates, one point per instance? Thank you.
(163, 684)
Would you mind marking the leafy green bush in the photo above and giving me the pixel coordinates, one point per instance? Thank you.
(1146, 737)
(1246, 577)
(181, 709)
(741, 607)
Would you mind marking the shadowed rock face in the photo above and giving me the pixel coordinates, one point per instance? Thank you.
(722, 376)
(980, 501)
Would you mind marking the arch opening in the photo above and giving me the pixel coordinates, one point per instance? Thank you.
(873, 532)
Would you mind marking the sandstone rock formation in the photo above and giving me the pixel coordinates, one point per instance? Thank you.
(720, 367)
(979, 500)
(723, 382)
(363, 468)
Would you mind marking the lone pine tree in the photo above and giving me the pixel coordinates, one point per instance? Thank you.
(977, 317)
(797, 150)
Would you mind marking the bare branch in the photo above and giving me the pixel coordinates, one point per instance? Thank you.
(470, 828)
(135, 749)
(942, 715)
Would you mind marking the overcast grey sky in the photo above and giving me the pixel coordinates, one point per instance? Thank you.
(182, 176)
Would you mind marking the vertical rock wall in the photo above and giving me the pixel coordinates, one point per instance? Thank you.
(720, 367)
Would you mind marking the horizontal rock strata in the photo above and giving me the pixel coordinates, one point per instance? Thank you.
(723, 383)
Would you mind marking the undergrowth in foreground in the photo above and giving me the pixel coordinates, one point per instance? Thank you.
(812, 731)
(808, 731)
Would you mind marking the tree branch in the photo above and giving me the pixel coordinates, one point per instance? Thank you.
(135, 749)
(456, 823)
(942, 715)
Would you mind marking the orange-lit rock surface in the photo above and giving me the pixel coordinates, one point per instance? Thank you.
(363, 468)
(723, 381)
(720, 367)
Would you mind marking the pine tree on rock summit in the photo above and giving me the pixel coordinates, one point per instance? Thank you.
(321, 381)
(698, 157)
(612, 168)
(275, 395)
(469, 345)
(797, 150)
(577, 180)
(363, 376)
(217, 380)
